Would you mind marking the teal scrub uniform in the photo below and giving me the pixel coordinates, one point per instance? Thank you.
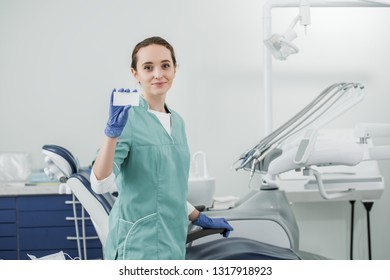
(149, 218)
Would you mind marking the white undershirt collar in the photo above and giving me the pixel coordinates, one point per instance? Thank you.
(164, 118)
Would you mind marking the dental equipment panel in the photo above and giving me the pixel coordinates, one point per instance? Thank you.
(329, 104)
(298, 145)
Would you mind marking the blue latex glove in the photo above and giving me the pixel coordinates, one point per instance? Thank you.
(117, 117)
(206, 222)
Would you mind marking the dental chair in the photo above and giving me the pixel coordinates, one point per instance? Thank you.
(64, 166)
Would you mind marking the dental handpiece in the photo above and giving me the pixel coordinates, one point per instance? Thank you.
(246, 157)
(255, 160)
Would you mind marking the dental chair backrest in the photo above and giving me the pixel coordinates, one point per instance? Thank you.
(96, 205)
(62, 165)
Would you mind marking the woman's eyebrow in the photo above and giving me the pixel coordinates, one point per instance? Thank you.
(147, 62)
(162, 61)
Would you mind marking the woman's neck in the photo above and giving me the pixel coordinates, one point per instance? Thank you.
(156, 103)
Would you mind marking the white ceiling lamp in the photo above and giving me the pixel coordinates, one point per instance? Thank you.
(281, 46)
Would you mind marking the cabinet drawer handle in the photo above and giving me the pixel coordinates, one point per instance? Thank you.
(78, 219)
(86, 238)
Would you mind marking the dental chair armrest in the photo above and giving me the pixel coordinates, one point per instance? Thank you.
(200, 208)
(196, 234)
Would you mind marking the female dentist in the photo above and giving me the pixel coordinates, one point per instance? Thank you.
(145, 157)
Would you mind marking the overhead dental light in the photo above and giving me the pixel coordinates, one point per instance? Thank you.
(281, 46)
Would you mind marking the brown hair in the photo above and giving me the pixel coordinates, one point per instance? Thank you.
(151, 41)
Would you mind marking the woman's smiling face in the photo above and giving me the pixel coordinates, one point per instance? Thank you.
(155, 70)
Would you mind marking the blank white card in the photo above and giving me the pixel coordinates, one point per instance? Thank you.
(126, 98)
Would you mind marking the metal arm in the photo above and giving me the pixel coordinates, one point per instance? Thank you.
(332, 102)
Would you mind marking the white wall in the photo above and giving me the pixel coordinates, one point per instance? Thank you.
(59, 61)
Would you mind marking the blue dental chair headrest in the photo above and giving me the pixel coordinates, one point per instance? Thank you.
(61, 151)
